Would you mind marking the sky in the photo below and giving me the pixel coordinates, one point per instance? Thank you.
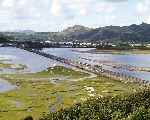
(56, 15)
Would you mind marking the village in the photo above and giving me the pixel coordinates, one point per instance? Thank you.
(77, 44)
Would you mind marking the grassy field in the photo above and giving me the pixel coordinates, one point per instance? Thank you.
(53, 89)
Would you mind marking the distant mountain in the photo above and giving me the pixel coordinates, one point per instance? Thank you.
(27, 31)
(132, 33)
(76, 28)
(20, 31)
(69, 34)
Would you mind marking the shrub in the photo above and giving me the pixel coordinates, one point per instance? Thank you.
(131, 107)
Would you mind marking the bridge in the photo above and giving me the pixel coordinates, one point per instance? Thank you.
(96, 69)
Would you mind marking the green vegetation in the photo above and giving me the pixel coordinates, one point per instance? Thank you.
(129, 107)
(123, 46)
(6, 64)
(35, 92)
(5, 38)
(12, 66)
(55, 89)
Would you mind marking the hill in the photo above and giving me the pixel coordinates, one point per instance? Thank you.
(133, 33)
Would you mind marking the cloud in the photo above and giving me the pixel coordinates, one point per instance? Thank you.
(143, 8)
(116, 1)
(104, 7)
(7, 3)
(56, 7)
(77, 6)
(45, 15)
(49, 13)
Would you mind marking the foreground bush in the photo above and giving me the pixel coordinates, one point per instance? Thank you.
(131, 107)
(28, 118)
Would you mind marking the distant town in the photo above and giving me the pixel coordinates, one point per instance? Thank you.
(109, 37)
(75, 44)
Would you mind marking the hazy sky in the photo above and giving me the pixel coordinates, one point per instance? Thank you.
(54, 15)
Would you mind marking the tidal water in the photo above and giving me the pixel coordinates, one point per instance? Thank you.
(34, 62)
(79, 54)
(6, 86)
(37, 63)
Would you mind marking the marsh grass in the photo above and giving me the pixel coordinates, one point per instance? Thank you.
(37, 95)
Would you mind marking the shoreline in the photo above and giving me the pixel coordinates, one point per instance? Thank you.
(113, 51)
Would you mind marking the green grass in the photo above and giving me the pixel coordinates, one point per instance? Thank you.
(135, 106)
(11, 66)
(37, 94)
